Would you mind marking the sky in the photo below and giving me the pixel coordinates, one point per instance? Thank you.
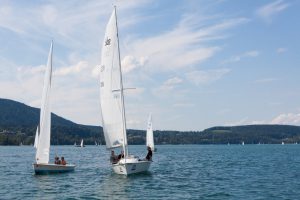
(194, 63)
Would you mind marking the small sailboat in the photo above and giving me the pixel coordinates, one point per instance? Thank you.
(96, 144)
(243, 143)
(282, 143)
(112, 103)
(81, 144)
(149, 135)
(43, 132)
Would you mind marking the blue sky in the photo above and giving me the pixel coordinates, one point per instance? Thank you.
(194, 64)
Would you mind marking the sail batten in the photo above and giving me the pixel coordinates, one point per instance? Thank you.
(43, 141)
(111, 88)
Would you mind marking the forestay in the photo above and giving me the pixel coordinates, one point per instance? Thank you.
(43, 144)
(111, 94)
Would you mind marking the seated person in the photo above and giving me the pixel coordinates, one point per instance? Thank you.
(63, 161)
(121, 155)
(149, 154)
(113, 157)
(56, 161)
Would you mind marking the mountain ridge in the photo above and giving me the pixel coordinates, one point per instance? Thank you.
(18, 123)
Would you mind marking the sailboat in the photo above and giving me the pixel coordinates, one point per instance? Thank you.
(81, 144)
(112, 102)
(43, 132)
(149, 135)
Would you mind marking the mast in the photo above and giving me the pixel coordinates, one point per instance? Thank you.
(125, 149)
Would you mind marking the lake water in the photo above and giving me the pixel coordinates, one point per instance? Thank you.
(178, 172)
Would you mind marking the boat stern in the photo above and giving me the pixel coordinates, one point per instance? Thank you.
(131, 166)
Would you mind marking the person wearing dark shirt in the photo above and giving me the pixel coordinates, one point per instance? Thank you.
(113, 158)
(149, 154)
(121, 155)
(56, 160)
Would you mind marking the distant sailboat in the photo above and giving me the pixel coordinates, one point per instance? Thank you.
(43, 133)
(112, 102)
(243, 143)
(282, 143)
(149, 135)
(81, 144)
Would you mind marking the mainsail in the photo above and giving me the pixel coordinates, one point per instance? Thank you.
(111, 88)
(149, 137)
(43, 145)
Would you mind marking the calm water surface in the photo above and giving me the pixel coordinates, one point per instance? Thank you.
(178, 172)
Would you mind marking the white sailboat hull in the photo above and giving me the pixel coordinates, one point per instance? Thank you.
(52, 168)
(131, 166)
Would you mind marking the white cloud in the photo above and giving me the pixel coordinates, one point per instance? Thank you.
(248, 54)
(266, 12)
(287, 118)
(284, 118)
(266, 80)
(201, 77)
(182, 46)
(173, 81)
(28, 70)
(129, 63)
(170, 84)
(74, 69)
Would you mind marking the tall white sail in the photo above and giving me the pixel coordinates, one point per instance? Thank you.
(149, 137)
(81, 144)
(43, 146)
(36, 140)
(111, 88)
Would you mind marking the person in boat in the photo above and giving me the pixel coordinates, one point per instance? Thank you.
(63, 161)
(56, 161)
(113, 157)
(121, 155)
(149, 154)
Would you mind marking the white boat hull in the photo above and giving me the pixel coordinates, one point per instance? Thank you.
(52, 168)
(131, 166)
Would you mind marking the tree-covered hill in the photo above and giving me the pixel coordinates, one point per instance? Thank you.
(18, 124)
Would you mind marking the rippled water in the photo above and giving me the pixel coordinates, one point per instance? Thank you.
(183, 171)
